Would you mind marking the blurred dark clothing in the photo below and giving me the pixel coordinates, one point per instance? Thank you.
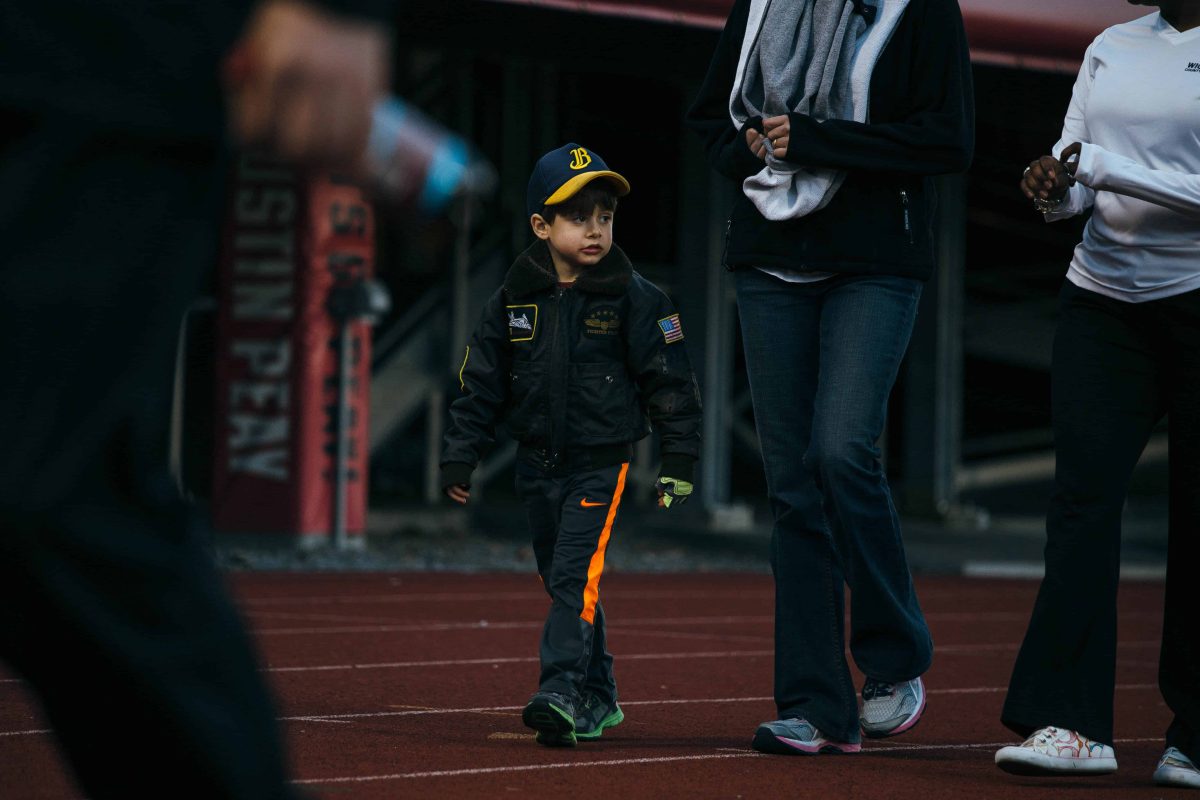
(147, 67)
(1118, 368)
(112, 165)
(109, 606)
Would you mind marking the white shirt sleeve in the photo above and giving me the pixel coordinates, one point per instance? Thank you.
(1079, 197)
(1103, 170)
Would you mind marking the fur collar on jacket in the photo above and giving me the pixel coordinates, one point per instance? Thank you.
(534, 270)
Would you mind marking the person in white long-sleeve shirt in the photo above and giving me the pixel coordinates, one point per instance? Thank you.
(1126, 352)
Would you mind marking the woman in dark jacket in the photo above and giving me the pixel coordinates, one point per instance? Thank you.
(833, 116)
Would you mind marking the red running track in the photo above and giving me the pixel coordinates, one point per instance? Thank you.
(410, 685)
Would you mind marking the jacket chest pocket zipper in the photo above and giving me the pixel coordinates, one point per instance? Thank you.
(907, 216)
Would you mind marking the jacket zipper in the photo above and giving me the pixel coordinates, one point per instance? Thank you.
(907, 218)
(559, 381)
(725, 251)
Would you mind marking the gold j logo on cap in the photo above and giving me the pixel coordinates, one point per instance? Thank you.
(580, 158)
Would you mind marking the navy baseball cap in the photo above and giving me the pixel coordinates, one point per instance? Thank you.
(561, 173)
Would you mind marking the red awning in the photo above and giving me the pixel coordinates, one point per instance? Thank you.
(1032, 34)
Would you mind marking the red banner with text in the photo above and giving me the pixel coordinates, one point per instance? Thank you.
(289, 238)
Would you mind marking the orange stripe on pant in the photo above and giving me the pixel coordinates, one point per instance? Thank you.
(591, 593)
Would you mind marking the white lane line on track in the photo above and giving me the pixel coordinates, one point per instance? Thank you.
(311, 617)
(884, 746)
(465, 662)
(485, 624)
(721, 754)
(991, 647)
(621, 630)
(342, 718)
(470, 662)
(417, 712)
(450, 773)
(534, 593)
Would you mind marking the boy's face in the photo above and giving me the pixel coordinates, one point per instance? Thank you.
(581, 240)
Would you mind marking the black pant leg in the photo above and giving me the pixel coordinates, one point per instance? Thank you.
(541, 496)
(590, 504)
(111, 609)
(1105, 402)
(118, 621)
(1179, 662)
(600, 680)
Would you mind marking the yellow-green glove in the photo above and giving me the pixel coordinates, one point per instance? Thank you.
(672, 491)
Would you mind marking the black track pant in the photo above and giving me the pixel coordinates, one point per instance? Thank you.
(571, 518)
(110, 607)
(1118, 367)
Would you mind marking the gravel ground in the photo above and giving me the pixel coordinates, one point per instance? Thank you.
(419, 540)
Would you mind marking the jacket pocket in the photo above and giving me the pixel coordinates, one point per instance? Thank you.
(526, 415)
(599, 403)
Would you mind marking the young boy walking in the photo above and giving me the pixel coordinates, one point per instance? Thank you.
(573, 353)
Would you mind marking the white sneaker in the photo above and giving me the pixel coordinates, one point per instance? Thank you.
(1176, 769)
(1057, 751)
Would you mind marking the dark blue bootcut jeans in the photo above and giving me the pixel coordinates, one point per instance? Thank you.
(822, 358)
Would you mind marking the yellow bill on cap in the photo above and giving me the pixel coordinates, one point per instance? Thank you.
(572, 186)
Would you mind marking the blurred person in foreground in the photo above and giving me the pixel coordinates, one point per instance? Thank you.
(575, 353)
(1126, 352)
(112, 164)
(831, 237)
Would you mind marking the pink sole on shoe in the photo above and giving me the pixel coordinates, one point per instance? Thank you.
(824, 747)
(913, 720)
(908, 723)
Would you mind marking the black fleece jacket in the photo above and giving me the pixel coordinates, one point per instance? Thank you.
(921, 124)
(575, 368)
(143, 68)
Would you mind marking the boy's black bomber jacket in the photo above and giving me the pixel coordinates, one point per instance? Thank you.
(573, 368)
(921, 123)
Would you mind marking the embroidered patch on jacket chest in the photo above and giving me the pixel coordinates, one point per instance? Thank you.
(672, 328)
(522, 322)
(602, 322)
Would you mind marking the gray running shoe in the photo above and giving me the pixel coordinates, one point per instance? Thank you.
(1176, 769)
(594, 715)
(792, 737)
(891, 708)
(552, 715)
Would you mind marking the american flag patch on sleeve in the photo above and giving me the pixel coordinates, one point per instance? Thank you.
(672, 329)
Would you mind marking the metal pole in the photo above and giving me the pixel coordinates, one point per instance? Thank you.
(433, 445)
(461, 291)
(340, 540)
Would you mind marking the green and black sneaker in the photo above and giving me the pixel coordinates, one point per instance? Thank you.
(552, 715)
(594, 715)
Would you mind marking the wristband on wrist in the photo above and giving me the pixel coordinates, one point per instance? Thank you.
(1046, 206)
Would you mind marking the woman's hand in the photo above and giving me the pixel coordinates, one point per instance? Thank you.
(303, 82)
(779, 132)
(757, 143)
(1046, 178)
